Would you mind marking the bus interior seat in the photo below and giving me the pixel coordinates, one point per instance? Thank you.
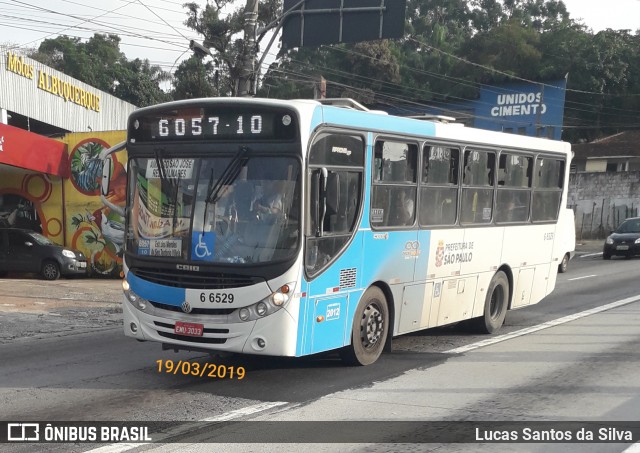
(243, 198)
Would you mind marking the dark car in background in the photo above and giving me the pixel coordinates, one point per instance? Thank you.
(624, 241)
(25, 251)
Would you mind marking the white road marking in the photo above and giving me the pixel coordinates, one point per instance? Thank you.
(580, 278)
(244, 411)
(183, 429)
(546, 325)
(590, 254)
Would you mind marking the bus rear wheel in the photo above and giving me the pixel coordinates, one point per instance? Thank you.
(495, 305)
(564, 264)
(369, 330)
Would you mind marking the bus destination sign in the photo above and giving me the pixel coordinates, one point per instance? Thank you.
(212, 125)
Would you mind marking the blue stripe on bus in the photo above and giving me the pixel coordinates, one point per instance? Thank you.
(157, 293)
(314, 336)
(378, 122)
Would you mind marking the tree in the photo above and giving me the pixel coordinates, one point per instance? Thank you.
(195, 79)
(509, 48)
(221, 34)
(100, 63)
(140, 83)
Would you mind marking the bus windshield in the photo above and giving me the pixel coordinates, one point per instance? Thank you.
(223, 209)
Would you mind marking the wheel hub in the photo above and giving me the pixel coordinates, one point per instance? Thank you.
(371, 326)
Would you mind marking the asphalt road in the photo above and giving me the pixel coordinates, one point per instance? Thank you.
(64, 357)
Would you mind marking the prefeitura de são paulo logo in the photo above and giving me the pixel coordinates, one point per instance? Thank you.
(439, 253)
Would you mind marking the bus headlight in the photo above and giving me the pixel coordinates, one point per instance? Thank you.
(283, 295)
(139, 302)
(261, 308)
(267, 306)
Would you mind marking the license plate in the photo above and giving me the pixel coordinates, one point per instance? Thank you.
(622, 247)
(82, 265)
(188, 329)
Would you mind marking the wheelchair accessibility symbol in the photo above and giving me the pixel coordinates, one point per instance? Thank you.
(202, 246)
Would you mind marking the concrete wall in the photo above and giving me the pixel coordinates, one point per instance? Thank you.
(601, 201)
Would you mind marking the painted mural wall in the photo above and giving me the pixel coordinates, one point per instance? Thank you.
(90, 226)
(33, 201)
(69, 211)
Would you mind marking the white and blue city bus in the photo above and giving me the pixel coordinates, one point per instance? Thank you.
(289, 228)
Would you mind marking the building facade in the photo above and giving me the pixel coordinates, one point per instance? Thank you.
(52, 130)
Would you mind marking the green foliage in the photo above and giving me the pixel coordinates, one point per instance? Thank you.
(99, 63)
(222, 34)
(451, 47)
(195, 79)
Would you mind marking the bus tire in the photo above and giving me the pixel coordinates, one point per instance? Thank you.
(369, 330)
(495, 305)
(564, 264)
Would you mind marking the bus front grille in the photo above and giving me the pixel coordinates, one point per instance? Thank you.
(195, 280)
(194, 311)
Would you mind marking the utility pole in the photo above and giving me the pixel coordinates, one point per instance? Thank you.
(247, 71)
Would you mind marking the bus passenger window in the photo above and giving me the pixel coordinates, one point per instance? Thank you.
(477, 191)
(547, 189)
(438, 205)
(394, 190)
(514, 182)
(439, 191)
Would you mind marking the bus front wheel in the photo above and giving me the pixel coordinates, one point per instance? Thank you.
(495, 305)
(369, 330)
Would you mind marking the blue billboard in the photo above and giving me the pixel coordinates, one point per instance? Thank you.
(534, 109)
(526, 108)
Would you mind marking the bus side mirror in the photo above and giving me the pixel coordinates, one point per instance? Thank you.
(107, 168)
(106, 176)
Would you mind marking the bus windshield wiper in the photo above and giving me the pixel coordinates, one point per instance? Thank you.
(162, 170)
(229, 175)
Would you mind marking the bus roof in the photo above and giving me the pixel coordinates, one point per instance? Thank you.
(348, 113)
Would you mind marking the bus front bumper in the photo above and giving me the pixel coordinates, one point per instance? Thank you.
(272, 335)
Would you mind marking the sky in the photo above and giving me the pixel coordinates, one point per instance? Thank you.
(154, 29)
